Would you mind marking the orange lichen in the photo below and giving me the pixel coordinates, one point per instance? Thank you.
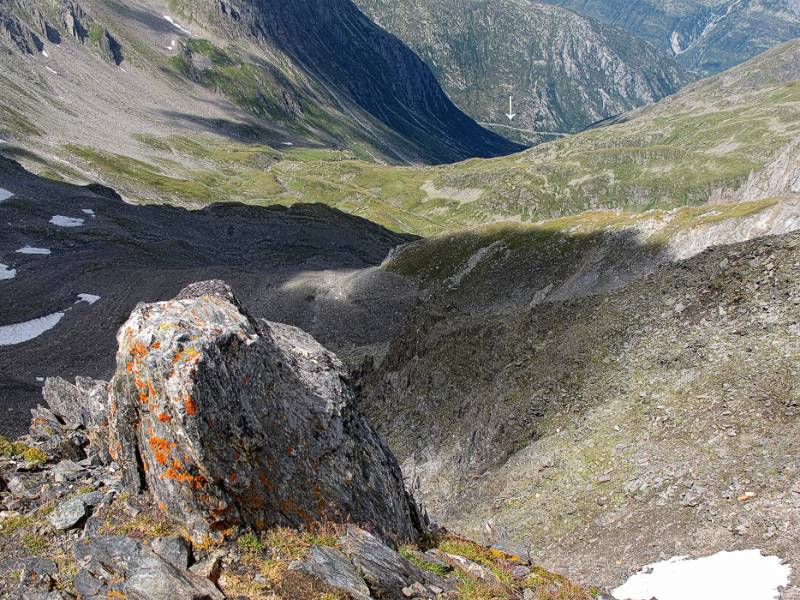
(129, 366)
(189, 405)
(266, 482)
(139, 350)
(290, 451)
(160, 450)
(164, 417)
(155, 345)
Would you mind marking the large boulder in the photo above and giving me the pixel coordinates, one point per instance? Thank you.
(230, 422)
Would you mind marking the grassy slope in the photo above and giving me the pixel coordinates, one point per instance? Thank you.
(681, 151)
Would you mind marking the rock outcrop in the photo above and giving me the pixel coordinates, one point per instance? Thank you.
(229, 422)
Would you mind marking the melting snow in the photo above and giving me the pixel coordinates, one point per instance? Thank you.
(6, 272)
(24, 332)
(31, 250)
(5, 194)
(89, 298)
(675, 41)
(739, 575)
(63, 221)
(174, 24)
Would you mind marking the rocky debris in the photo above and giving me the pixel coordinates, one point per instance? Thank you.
(45, 28)
(123, 565)
(73, 19)
(386, 572)
(334, 568)
(76, 422)
(228, 421)
(17, 33)
(110, 48)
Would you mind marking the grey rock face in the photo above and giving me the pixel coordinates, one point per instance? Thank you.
(68, 514)
(384, 570)
(16, 32)
(229, 421)
(83, 405)
(173, 550)
(123, 565)
(334, 568)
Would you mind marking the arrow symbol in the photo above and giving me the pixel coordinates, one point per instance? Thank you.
(510, 114)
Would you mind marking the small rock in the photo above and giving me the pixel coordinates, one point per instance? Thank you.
(68, 470)
(520, 571)
(174, 550)
(415, 590)
(334, 568)
(210, 568)
(68, 514)
(747, 496)
(18, 489)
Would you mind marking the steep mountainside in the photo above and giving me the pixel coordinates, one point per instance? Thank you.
(238, 69)
(707, 36)
(569, 389)
(564, 71)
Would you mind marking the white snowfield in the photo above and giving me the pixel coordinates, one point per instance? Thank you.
(88, 298)
(5, 194)
(175, 24)
(24, 332)
(7, 272)
(738, 575)
(62, 221)
(32, 250)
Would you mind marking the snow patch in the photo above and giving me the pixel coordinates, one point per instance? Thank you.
(288, 144)
(6, 272)
(739, 575)
(88, 298)
(62, 221)
(173, 45)
(52, 71)
(675, 42)
(32, 250)
(45, 54)
(24, 332)
(174, 24)
(5, 194)
(88, 211)
(40, 379)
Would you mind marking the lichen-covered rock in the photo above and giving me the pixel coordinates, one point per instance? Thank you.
(229, 422)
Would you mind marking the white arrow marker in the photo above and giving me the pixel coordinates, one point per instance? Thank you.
(510, 114)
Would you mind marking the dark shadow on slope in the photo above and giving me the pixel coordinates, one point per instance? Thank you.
(276, 258)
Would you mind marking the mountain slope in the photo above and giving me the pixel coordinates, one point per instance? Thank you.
(235, 69)
(711, 140)
(588, 397)
(707, 36)
(564, 71)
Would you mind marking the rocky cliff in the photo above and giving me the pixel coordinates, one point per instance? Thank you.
(282, 73)
(707, 36)
(564, 71)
